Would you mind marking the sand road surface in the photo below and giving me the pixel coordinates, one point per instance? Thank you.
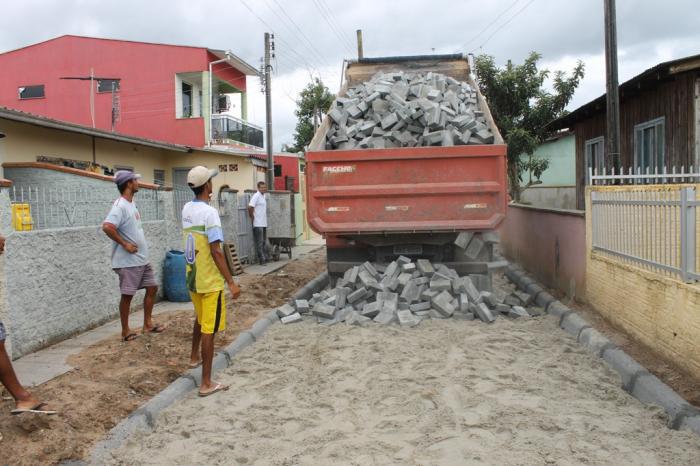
(446, 392)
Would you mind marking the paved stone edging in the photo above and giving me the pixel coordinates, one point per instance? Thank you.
(636, 380)
(143, 418)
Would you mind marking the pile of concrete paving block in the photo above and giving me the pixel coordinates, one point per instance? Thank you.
(405, 292)
(403, 109)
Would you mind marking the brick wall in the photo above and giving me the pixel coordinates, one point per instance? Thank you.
(662, 313)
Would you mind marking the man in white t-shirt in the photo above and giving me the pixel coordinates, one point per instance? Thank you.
(257, 209)
(130, 254)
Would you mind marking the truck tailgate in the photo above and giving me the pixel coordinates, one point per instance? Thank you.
(416, 189)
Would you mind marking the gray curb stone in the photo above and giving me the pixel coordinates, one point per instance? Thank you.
(557, 309)
(243, 340)
(594, 341)
(220, 362)
(573, 324)
(544, 299)
(534, 289)
(510, 273)
(526, 281)
(650, 390)
(691, 423)
(259, 327)
(272, 316)
(176, 390)
(136, 422)
(623, 364)
(636, 380)
(143, 418)
(518, 276)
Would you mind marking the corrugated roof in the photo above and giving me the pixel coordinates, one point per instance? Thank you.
(37, 120)
(654, 74)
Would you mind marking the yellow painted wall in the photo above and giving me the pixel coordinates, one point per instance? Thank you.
(25, 142)
(242, 179)
(657, 310)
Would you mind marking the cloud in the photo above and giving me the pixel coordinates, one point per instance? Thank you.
(563, 31)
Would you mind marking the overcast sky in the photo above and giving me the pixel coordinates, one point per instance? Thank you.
(314, 36)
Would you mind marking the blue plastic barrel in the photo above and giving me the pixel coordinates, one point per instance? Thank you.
(174, 284)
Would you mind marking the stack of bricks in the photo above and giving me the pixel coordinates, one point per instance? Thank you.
(401, 109)
(405, 292)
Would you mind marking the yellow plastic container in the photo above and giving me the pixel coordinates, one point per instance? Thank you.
(22, 217)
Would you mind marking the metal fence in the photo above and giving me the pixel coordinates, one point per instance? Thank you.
(655, 227)
(62, 207)
(644, 175)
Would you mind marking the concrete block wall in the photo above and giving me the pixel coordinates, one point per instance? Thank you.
(548, 243)
(59, 199)
(56, 283)
(555, 197)
(5, 229)
(61, 283)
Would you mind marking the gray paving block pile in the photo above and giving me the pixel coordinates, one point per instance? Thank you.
(405, 292)
(404, 109)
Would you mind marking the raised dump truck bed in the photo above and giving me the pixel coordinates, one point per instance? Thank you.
(378, 203)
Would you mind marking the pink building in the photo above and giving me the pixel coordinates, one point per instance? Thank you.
(154, 91)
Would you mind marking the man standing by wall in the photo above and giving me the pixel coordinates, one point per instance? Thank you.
(130, 254)
(257, 209)
(206, 272)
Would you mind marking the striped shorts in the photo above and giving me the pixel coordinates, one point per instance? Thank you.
(132, 279)
(3, 333)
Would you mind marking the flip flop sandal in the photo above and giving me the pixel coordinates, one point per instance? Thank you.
(157, 328)
(38, 409)
(217, 388)
(129, 337)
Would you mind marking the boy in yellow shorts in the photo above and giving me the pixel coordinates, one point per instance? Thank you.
(207, 273)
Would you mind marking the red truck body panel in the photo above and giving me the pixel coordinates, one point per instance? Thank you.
(417, 189)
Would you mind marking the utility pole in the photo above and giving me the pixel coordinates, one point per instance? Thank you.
(92, 96)
(360, 51)
(115, 105)
(269, 51)
(612, 94)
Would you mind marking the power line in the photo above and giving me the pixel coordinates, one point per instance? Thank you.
(503, 25)
(499, 16)
(311, 46)
(301, 57)
(331, 14)
(328, 21)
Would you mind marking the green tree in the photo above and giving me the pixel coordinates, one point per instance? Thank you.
(522, 107)
(314, 101)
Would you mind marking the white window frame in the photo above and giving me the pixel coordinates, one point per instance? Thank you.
(656, 160)
(182, 100)
(599, 164)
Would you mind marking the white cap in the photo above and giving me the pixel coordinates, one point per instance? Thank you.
(199, 175)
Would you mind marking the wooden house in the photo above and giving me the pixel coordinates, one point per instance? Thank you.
(659, 124)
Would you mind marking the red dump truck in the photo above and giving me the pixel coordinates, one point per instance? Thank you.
(376, 204)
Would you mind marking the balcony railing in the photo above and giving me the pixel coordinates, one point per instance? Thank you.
(228, 128)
